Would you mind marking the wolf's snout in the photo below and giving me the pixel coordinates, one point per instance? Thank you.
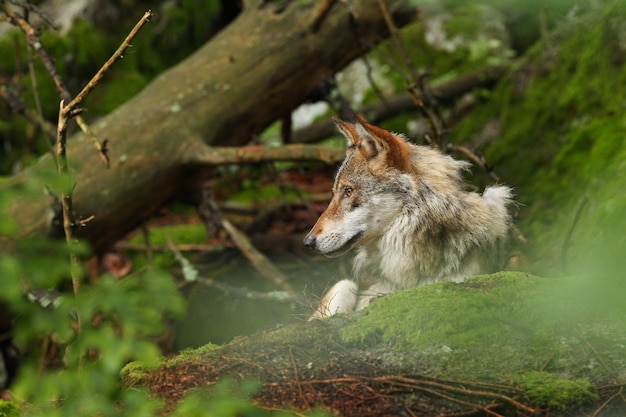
(309, 241)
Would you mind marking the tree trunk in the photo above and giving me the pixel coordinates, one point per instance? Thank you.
(252, 73)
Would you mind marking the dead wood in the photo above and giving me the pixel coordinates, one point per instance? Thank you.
(262, 264)
(254, 72)
(403, 103)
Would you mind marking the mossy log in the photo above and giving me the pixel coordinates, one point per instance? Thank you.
(254, 72)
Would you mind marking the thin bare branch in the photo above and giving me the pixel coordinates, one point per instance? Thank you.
(214, 155)
(66, 200)
(478, 160)
(32, 38)
(119, 53)
(38, 108)
(262, 264)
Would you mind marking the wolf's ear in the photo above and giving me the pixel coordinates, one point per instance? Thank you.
(371, 146)
(348, 130)
(377, 145)
(358, 137)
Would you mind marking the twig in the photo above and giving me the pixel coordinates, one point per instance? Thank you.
(66, 113)
(31, 7)
(242, 292)
(38, 108)
(424, 102)
(148, 246)
(570, 232)
(403, 103)
(119, 53)
(220, 286)
(163, 248)
(190, 272)
(262, 264)
(369, 75)
(70, 109)
(66, 200)
(610, 369)
(394, 32)
(425, 385)
(608, 401)
(433, 120)
(297, 378)
(478, 160)
(18, 106)
(452, 388)
(456, 400)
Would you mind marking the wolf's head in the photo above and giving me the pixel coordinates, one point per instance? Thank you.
(367, 192)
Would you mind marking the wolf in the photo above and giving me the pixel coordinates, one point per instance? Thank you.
(406, 211)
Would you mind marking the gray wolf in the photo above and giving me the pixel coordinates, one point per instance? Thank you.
(405, 210)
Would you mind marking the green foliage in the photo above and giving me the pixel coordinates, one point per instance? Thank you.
(548, 390)
(119, 319)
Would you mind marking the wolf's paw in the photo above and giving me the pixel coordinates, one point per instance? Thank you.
(340, 299)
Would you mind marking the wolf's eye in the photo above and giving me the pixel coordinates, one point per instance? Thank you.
(347, 192)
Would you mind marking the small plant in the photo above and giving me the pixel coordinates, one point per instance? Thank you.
(551, 391)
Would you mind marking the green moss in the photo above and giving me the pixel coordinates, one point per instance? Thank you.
(550, 391)
(477, 305)
(9, 409)
(562, 138)
(134, 373)
(197, 354)
(493, 326)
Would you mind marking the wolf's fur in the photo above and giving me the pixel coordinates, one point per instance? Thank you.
(405, 210)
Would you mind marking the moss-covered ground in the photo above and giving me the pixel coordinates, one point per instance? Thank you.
(492, 327)
(536, 339)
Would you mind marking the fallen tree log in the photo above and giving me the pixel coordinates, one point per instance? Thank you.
(254, 72)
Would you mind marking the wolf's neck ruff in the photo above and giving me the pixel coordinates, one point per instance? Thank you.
(405, 209)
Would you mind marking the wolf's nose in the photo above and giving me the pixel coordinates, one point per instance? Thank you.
(309, 241)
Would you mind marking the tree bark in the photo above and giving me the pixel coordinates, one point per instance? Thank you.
(254, 72)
